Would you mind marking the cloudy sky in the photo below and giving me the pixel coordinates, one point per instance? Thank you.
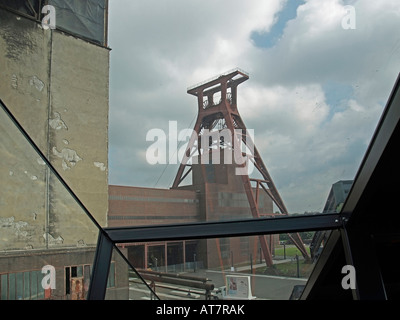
(320, 75)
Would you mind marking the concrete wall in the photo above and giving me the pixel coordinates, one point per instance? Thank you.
(56, 85)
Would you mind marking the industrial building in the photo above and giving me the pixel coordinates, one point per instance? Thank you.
(211, 185)
(363, 233)
(66, 234)
(133, 206)
(50, 82)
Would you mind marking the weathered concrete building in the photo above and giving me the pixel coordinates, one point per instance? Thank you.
(55, 82)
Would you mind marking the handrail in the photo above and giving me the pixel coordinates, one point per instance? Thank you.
(217, 76)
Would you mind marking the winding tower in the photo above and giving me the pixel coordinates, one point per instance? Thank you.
(220, 155)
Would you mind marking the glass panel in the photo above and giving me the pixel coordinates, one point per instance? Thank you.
(33, 9)
(86, 276)
(19, 285)
(111, 276)
(79, 271)
(40, 288)
(27, 283)
(11, 286)
(311, 124)
(34, 285)
(49, 234)
(83, 20)
(127, 284)
(208, 270)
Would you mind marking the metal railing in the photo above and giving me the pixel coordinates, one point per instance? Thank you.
(217, 76)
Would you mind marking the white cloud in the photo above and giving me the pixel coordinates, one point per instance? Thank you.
(161, 48)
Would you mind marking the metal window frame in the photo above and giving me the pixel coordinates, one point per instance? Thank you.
(219, 229)
(201, 230)
(349, 233)
(101, 268)
(344, 233)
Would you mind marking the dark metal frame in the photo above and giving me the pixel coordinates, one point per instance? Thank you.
(347, 233)
(48, 164)
(200, 230)
(356, 237)
(220, 229)
(102, 260)
(348, 226)
(105, 245)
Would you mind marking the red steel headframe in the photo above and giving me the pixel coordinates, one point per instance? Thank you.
(209, 114)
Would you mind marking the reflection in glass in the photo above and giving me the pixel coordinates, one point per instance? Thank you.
(48, 241)
(41, 225)
(124, 283)
(217, 263)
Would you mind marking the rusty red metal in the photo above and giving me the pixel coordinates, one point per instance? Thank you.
(219, 115)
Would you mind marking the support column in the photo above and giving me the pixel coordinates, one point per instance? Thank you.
(101, 267)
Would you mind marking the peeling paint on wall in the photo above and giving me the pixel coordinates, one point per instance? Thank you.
(18, 41)
(100, 165)
(52, 240)
(32, 177)
(36, 87)
(57, 123)
(14, 81)
(6, 222)
(69, 157)
(40, 161)
(36, 83)
(16, 228)
(43, 213)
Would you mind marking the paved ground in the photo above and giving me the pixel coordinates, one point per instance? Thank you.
(263, 286)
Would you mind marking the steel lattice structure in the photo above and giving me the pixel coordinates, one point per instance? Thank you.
(223, 115)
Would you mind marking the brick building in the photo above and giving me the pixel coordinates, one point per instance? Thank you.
(226, 199)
